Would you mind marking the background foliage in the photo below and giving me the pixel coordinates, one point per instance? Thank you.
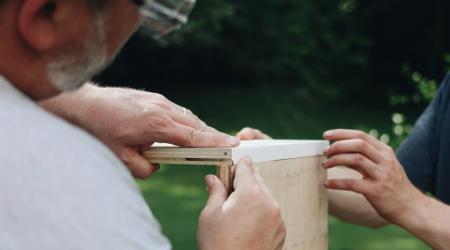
(336, 49)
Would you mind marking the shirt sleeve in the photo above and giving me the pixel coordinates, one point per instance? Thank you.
(418, 153)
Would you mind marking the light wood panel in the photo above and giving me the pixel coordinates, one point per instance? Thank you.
(298, 186)
(296, 183)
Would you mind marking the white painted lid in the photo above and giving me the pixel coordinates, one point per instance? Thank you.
(258, 150)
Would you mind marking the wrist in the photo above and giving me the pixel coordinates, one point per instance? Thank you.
(79, 103)
(429, 222)
(71, 106)
(415, 214)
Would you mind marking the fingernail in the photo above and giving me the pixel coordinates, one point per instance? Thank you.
(328, 133)
(324, 163)
(233, 141)
(326, 150)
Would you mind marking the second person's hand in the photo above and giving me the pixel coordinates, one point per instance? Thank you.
(384, 184)
(249, 133)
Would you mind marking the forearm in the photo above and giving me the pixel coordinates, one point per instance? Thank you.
(349, 206)
(70, 105)
(429, 220)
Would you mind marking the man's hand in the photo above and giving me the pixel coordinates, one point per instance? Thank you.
(252, 134)
(249, 218)
(128, 121)
(384, 183)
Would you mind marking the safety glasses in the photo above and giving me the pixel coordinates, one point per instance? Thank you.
(163, 16)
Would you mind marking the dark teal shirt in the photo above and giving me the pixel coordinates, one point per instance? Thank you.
(425, 154)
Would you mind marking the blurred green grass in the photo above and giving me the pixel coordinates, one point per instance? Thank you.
(177, 194)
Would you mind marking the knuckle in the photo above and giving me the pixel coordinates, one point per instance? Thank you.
(361, 135)
(384, 175)
(359, 159)
(164, 106)
(391, 161)
(351, 184)
(273, 209)
(362, 144)
(123, 132)
(160, 121)
(202, 126)
(193, 136)
(247, 130)
(389, 158)
(254, 194)
(257, 192)
(331, 161)
(257, 195)
(378, 190)
(335, 147)
(190, 113)
(124, 156)
(390, 150)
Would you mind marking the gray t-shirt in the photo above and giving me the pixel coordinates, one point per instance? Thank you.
(60, 188)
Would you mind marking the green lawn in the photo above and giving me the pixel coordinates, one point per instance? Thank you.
(177, 193)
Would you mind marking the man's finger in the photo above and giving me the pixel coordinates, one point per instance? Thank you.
(354, 185)
(182, 135)
(217, 192)
(356, 161)
(252, 134)
(354, 146)
(137, 164)
(244, 175)
(346, 134)
(193, 122)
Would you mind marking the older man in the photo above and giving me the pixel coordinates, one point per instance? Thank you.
(63, 189)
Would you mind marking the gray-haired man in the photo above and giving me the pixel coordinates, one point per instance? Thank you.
(63, 189)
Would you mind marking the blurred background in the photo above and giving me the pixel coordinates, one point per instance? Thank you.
(292, 69)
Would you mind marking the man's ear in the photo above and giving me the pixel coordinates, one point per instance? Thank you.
(36, 23)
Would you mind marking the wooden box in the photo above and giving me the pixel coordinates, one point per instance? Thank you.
(291, 169)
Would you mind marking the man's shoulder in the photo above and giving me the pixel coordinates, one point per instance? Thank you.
(27, 128)
(60, 178)
(53, 147)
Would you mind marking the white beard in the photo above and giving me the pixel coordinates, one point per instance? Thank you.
(69, 71)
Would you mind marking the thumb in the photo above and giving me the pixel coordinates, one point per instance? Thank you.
(137, 164)
(217, 192)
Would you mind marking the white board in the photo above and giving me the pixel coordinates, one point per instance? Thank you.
(258, 150)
